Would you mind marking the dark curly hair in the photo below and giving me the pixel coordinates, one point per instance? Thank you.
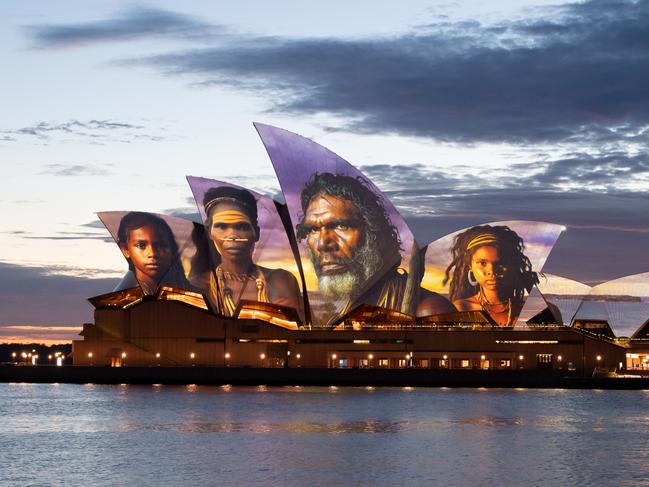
(378, 227)
(510, 248)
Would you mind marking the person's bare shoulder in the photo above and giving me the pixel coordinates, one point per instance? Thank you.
(431, 303)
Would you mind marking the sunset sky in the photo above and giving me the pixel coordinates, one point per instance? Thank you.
(461, 112)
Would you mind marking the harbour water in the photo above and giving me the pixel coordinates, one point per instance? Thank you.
(64, 434)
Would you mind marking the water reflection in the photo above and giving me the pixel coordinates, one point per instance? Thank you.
(335, 428)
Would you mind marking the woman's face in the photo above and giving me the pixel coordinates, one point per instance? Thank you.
(488, 269)
(149, 251)
(232, 239)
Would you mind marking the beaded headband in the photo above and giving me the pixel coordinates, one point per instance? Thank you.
(222, 199)
(482, 239)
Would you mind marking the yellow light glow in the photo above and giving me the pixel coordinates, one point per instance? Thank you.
(123, 354)
(599, 357)
(482, 357)
(192, 355)
(89, 354)
(334, 356)
(370, 356)
(298, 355)
(520, 357)
(157, 355)
(263, 356)
(227, 355)
(445, 357)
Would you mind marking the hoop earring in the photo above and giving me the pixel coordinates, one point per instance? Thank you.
(471, 278)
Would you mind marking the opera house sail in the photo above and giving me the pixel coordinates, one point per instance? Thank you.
(331, 275)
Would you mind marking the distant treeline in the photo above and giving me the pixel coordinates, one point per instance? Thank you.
(43, 352)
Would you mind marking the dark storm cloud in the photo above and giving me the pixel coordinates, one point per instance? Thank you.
(133, 23)
(95, 130)
(34, 295)
(605, 169)
(74, 170)
(579, 72)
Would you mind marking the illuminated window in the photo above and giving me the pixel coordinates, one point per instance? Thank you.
(402, 363)
(384, 362)
(465, 363)
(423, 363)
(343, 363)
(363, 363)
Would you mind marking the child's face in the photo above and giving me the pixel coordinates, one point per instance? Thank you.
(149, 251)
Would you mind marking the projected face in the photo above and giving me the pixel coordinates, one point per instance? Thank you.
(342, 254)
(232, 232)
(150, 253)
(334, 233)
(489, 271)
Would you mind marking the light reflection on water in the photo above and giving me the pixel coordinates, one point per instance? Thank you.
(56, 434)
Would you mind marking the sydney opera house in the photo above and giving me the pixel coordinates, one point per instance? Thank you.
(331, 276)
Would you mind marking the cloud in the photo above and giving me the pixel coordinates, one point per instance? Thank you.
(64, 235)
(575, 73)
(133, 23)
(186, 213)
(94, 224)
(604, 170)
(43, 296)
(95, 130)
(74, 170)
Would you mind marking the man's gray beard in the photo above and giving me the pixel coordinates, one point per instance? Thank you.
(366, 263)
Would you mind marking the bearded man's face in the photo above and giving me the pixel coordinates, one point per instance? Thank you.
(343, 255)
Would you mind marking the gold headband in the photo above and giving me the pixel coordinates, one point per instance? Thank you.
(221, 199)
(231, 216)
(482, 239)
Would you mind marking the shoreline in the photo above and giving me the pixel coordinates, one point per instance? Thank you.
(316, 377)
